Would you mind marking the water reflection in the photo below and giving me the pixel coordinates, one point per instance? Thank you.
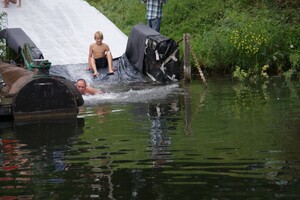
(30, 149)
(188, 111)
(228, 141)
(15, 165)
(42, 133)
(160, 141)
(99, 112)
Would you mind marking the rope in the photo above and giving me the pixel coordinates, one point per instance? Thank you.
(196, 61)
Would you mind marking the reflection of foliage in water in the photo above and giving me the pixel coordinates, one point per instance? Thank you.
(247, 100)
(246, 129)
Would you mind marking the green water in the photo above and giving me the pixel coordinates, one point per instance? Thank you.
(228, 141)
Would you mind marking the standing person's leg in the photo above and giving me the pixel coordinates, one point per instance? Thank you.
(6, 2)
(149, 23)
(154, 24)
(20, 2)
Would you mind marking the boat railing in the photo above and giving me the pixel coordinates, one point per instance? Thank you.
(42, 66)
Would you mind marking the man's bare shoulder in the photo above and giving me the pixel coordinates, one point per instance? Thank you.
(92, 91)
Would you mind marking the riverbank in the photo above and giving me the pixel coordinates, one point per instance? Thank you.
(226, 36)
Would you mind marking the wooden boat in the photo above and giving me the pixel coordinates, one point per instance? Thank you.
(31, 92)
(27, 95)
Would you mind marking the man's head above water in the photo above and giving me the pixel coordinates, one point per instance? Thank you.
(81, 85)
(86, 89)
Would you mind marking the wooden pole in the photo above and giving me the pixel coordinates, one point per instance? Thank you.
(186, 59)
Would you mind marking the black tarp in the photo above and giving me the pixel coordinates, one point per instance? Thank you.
(125, 73)
(153, 54)
(16, 38)
(136, 45)
(161, 62)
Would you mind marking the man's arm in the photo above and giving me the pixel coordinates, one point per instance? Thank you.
(92, 91)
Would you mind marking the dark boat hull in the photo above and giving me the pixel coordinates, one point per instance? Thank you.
(27, 96)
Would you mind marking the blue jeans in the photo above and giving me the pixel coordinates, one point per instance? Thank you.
(154, 24)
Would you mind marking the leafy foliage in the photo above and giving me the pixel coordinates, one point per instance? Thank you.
(224, 33)
(250, 34)
(3, 24)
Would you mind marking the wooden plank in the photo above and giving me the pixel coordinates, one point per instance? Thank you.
(186, 59)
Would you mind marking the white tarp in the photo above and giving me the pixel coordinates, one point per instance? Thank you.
(64, 29)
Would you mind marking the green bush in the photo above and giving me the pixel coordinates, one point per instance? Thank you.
(250, 34)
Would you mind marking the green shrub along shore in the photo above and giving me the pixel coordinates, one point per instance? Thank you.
(244, 38)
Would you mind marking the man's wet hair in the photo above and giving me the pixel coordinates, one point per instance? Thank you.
(81, 79)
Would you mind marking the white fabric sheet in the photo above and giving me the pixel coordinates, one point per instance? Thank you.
(64, 29)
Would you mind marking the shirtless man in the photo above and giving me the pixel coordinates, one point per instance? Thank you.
(85, 89)
(100, 55)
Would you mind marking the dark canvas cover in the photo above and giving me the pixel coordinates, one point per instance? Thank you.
(153, 54)
(136, 45)
(161, 62)
(16, 38)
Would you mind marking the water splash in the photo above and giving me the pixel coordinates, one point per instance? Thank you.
(120, 87)
(141, 95)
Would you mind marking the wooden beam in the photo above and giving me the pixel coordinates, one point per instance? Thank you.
(186, 58)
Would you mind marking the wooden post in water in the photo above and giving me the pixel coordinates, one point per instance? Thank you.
(186, 58)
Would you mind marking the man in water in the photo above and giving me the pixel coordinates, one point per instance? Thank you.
(85, 89)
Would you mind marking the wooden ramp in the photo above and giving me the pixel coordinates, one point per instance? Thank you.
(64, 29)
